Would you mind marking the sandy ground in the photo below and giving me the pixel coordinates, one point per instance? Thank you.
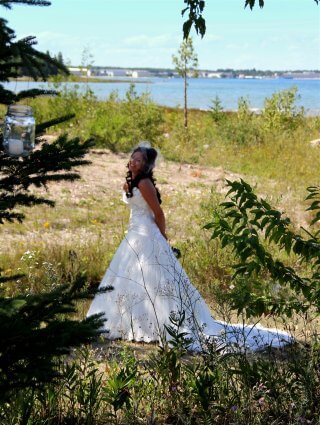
(108, 170)
(106, 175)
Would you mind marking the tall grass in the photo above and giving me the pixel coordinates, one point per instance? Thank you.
(115, 124)
(169, 386)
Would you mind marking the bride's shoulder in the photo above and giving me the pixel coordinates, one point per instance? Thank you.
(145, 180)
(145, 184)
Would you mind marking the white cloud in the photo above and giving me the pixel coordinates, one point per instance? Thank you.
(208, 38)
(239, 47)
(145, 41)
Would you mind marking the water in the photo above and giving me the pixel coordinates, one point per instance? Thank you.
(201, 91)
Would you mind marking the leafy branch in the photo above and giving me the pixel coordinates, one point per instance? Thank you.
(245, 221)
(195, 9)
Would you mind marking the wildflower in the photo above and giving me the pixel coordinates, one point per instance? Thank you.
(263, 388)
(46, 224)
(234, 408)
(28, 255)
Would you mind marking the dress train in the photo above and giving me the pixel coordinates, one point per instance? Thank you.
(150, 285)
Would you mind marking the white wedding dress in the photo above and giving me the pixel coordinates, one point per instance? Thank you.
(150, 285)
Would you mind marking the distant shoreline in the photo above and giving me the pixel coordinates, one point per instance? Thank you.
(146, 80)
(83, 80)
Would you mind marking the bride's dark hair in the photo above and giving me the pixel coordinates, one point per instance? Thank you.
(149, 156)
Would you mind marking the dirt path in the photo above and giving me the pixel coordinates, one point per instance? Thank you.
(106, 175)
(108, 169)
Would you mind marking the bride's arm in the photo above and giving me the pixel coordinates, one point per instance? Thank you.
(149, 193)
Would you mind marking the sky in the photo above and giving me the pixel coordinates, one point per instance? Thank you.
(284, 35)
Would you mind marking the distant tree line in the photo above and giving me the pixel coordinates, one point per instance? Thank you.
(224, 72)
(47, 68)
(263, 73)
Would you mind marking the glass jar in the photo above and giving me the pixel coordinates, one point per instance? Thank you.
(19, 130)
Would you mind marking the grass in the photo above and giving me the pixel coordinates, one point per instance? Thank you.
(116, 386)
(115, 383)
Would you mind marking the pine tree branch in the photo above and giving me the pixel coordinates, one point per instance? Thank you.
(11, 217)
(34, 330)
(8, 3)
(62, 154)
(52, 163)
(9, 202)
(42, 181)
(6, 96)
(32, 93)
(8, 70)
(15, 183)
(28, 200)
(35, 60)
(40, 128)
(23, 55)
(12, 278)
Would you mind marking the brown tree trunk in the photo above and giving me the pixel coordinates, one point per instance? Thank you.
(185, 100)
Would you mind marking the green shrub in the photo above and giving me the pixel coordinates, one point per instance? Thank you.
(281, 112)
(216, 110)
(247, 220)
(242, 128)
(122, 124)
(189, 144)
(116, 124)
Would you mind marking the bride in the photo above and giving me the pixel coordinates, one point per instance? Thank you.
(149, 284)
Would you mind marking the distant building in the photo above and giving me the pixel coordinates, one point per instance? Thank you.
(79, 71)
(100, 71)
(302, 74)
(141, 73)
(214, 75)
(104, 72)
